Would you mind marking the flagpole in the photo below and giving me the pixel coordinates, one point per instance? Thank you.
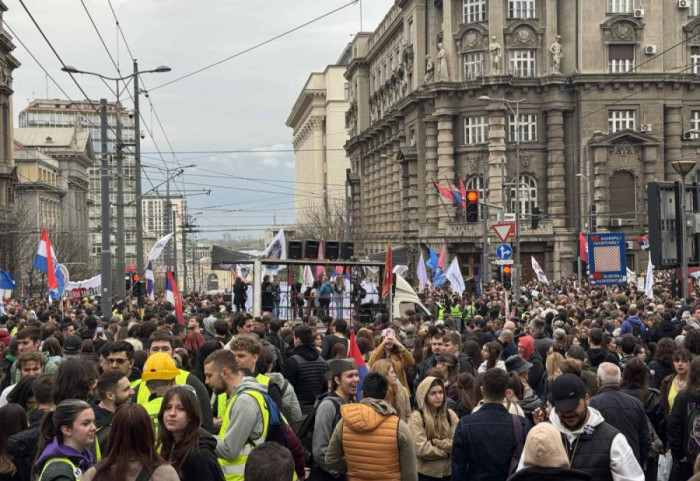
(442, 201)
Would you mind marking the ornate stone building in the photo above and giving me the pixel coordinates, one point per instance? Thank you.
(607, 100)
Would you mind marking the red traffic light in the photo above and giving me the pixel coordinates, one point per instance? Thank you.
(473, 196)
(506, 270)
(136, 277)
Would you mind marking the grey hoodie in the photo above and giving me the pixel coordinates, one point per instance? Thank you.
(246, 421)
(290, 403)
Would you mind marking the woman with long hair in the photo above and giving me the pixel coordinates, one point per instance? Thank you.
(240, 294)
(64, 436)
(397, 395)
(678, 381)
(182, 441)
(472, 350)
(662, 363)
(681, 424)
(131, 450)
(491, 353)
(466, 386)
(553, 365)
(433, 427)
(13, 419)
(449, 365)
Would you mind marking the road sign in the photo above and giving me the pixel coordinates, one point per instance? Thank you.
(503, 262)
(606, 257)
(504, 231)
(504, 252)
(509, 217)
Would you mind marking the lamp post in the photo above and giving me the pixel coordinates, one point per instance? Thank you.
(683, 168)
(589, 209)
(516, 114)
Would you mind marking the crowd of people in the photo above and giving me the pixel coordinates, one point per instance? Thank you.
(567, 384)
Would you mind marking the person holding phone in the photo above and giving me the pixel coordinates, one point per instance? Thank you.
(391, 348)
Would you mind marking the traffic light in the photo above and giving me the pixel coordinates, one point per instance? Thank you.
(535, 218)
(496, 273)
(507, 277)
(472, 206)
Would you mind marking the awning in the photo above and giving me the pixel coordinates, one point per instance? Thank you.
(224, 259)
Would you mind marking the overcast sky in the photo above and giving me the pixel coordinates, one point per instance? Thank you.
(241, 104)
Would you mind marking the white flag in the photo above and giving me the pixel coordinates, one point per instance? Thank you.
(538, 270)
(631, 276)
(649, 286)
(308, 276)
(276, 250)
(158, 247)
(454, 275)
(422, 274)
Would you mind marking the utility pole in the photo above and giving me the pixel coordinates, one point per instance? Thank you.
(120, 265)
(166, 223)
(184, 252)
(137, 172)
(174, 246)
(106, 254)
(485, 268)
(518, 266)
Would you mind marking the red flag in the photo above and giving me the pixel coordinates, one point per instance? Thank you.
(441, 259)
(445, 192)
(354, 353)
(463, 191)
(319, 269)
(388, 277)
(172, 295)
(583, 247)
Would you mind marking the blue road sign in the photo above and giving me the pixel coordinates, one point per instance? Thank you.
(504, 252)
(606, 258)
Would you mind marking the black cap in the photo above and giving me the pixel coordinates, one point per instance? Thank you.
(72, 345)
(567, 389)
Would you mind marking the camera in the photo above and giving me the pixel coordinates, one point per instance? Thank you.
(131, 115)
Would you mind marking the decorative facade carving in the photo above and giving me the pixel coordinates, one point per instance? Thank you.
(623, 31)
(496, 54)
(523, 37)
(624, 156)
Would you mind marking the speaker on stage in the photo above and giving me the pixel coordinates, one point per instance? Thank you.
(332, 250)
(347, 250)
(294, 249)
(310, 249)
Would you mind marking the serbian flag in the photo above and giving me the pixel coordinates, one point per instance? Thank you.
(643, 241)
(445, 192)
(45, 260)
(463, 193)
(388, 274)
(172, 295)
(149, 281)
(583, 247)
(355, 354)
(457, 196)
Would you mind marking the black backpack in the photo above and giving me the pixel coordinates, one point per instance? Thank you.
(306, 430)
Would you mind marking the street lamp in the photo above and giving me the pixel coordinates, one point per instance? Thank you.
(516, 113)
(120, 263)
(683, 168)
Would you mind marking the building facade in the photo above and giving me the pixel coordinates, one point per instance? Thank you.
(58, 113)
(320, 162)
(596, 110)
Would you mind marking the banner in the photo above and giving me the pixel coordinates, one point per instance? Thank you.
(421, 273)
(454, 275)
(87, 288)
(158, 247)
(276, 250)
(649, 286)
(538, 271)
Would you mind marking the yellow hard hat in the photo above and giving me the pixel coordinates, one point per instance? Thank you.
(159, 366)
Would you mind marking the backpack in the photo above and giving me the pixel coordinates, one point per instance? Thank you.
(637, 331)
(306, 430)
(276, 430)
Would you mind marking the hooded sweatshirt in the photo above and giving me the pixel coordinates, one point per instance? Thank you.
(623, 464)
(290, 404)
(48, 367)
(631, 323)
(202, 464)
(209, 332)
(435, 454)
(82, 460)
(370, 414)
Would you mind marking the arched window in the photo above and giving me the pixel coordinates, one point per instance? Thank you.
(476, 182)
(528, 195)
(622, 194)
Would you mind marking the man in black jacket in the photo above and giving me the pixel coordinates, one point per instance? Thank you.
(622, 411)
(305, 369)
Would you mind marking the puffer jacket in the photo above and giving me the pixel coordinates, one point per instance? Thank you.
(434, 454)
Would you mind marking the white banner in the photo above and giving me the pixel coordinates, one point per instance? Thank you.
(454, 275)
(276, 250)
(88, 287)
(538, 271)
(159, 246)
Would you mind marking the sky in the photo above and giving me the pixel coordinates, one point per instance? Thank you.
(240, 104)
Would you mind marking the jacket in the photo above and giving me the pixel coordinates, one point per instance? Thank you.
(290, 404)
(22, 446)
(306, 370)
(202, 464)
(327, 417)
(48, 367)
(329, 343)
(590, 377)
(683, 444)
(664, 390)
(164, 472)
(57, 470)
(550, 474)
(627, 414)
(435, 454)
(658, 370)
(597, 356)
(652, 406)
(630, 324)
(542, 343)
(365, 418)
(401, 360)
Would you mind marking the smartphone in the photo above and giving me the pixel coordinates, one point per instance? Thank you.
(100, 330)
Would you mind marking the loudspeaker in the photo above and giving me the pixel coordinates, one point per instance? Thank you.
(332, 250)
(294, 249)
(310, 249)
(347, 250)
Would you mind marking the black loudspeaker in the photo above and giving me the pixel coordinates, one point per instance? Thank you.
(347, 250)
(332, 250)
(310, 249)
(294, 249)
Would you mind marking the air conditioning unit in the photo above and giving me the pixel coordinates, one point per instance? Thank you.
(615, 222)
(683, 3)
(646, 127)
(690, 135)
(650, 49)
(638, 13)
(629, 245)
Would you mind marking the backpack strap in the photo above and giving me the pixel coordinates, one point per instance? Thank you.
(144, 475)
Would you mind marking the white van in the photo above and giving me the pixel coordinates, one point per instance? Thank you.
(405, 298)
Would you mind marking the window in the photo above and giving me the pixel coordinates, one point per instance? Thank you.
(695, 122)
(474, 11)
(620, 120)
(522, 63)
(622, 194)
(694, 8)
(346, 95)
(620, 6)
(521, 8)
(476, 182)
(409, 33)
(476, 130)
(621, 58)
(695, 58)
(528, 195)
(473, 65)
(528, 128)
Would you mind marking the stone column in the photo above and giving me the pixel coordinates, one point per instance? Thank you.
(673, 129)
(556, 207)
(497, 158)
(411, 189)
(601, 189)
(431, 172)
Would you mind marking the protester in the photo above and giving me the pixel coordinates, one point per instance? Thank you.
(392, 349)
(397, 395)
(114, 389)
(305, 369)
(678, 381)
(681, 430)
(13, 419)
(259, 467)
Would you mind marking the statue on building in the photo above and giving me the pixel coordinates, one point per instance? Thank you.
(443, 73)
(496, 52)
(429, 69)
(557, 53)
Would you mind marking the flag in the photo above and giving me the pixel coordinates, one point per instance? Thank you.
(631, 276)
(421, 274)
(445, 192)
(583, 247)
(454, 275)
(131, 269)
(57, 291)
(149, 281)
(234, 274)
(7, 281)
(319, 269)
(388, 274)
(433, 261)
(457, 196)
(441, 259)
(538, 270)
(45, 260)
(463, 193)
(276, 250)
(479, 284)
(158, 247)
(172, 295)
(308, 276)
(355, 354)
(649, 285)
(643, 241)
(439, 278)
(337, 271)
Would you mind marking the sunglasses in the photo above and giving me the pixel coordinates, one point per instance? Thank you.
(119, 361)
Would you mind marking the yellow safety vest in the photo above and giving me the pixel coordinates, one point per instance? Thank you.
(77, 472)
(221, 398)
(144, 393)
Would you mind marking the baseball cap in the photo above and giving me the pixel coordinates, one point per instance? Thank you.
(567, 389)
(72, 345)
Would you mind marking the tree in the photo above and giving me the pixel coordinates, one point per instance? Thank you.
(318, 222)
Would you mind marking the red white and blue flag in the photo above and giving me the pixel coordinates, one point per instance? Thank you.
(45, 260)
(172, 295)
(356, 355)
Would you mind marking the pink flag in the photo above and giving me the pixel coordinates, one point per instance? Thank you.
(319, 269)
(441, 259)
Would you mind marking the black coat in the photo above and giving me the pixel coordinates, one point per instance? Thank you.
(537, 473)
(681, 440)
(203, 464)
(659, 370)
(653, 407)
(537, 371)
(22, 446)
